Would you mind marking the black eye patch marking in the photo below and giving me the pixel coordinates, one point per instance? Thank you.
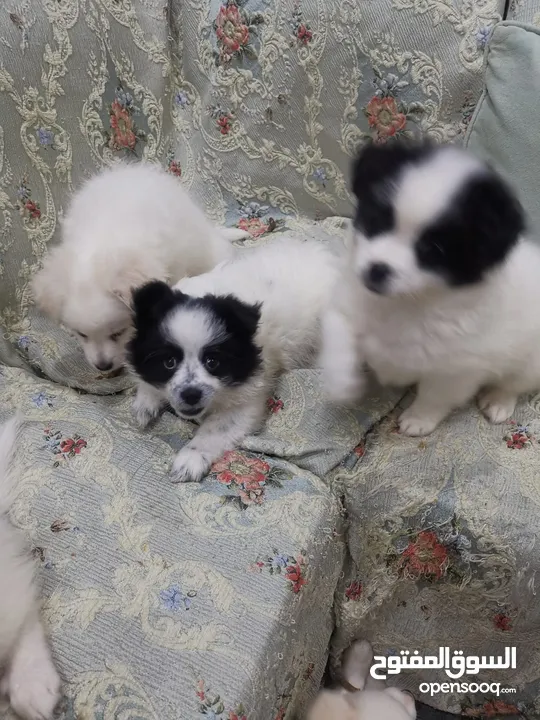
(158, 366)
(475, 234)
(233, 361)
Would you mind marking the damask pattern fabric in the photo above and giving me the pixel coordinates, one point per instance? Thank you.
(525, 11)
(216, 600)
(275, 98)
(257, 106)
(171, 601)
(442, 543)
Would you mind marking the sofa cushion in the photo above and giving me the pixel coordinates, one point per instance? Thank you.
(504, 128)
(443, 552)
(312, 434)
(169, 601)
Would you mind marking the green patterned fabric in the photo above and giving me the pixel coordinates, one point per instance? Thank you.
(498, 131)
(171, 601)
(257, 105)
(216, 600)
(526, 11)
(443, 551)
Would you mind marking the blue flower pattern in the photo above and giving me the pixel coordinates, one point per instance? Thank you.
(41, 399)
(174, 599)
(45, 137)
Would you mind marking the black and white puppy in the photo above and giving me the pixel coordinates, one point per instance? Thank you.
(213, 345)
(440, 289)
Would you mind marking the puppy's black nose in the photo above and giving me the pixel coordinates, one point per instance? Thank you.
(191, 396)
(104, 366)
(376, 277)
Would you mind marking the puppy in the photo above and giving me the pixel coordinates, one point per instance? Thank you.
(29, 678)
(364, 698)
(440, 289)
(213, 345)
(126, 225)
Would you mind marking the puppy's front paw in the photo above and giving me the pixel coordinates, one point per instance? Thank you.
(497, 405)
(190, 465)
(415, 425)
(144, 412)
(33, 688)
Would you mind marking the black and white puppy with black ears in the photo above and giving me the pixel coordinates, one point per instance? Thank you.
(213, 345)
(441, 288)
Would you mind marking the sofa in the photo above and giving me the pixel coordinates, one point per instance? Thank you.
(228, 599)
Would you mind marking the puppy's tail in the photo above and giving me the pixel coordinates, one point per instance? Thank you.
(232, 234)
(8, 436)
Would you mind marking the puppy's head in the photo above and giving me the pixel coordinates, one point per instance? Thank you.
(192, 348)
(428, 218)
(91, 296)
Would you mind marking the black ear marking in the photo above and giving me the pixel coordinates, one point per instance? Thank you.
(153, 299)
(239, 317)
(498, 214)
(376, 164)
(374, 171)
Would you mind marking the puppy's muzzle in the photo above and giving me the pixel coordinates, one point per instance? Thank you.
(189, 401)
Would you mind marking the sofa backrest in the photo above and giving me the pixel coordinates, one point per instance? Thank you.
(257, 105)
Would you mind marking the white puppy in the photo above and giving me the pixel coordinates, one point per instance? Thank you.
(213, 345)
(440, 289)
(365, 698)
(29, 678)
(128, 224)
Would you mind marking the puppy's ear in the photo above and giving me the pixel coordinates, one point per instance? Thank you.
(496, 217)
(240, 318)
(152, 300)
(376, 164)
(405, 699)
(356, 663)
(49, 284)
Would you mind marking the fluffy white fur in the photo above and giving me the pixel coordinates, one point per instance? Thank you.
(453, 342)
(29, 678)
(292, 280)
(366, 698)
(126, 225)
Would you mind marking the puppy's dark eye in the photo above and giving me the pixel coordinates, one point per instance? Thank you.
(115, 336)
(82, 335)
(170, 363)
(211, 362)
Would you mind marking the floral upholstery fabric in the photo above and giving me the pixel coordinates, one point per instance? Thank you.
(171, 601)
(154, 592)
(526, 11)
(442, 543)
(256, 105)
